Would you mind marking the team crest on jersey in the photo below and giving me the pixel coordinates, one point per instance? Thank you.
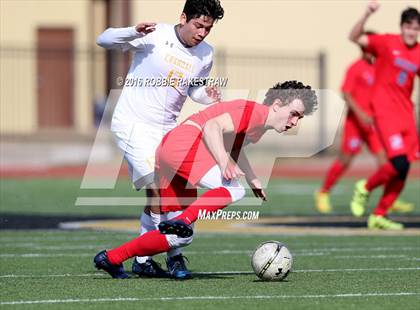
(396, 142)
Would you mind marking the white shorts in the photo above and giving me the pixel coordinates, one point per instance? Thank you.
(139, 142)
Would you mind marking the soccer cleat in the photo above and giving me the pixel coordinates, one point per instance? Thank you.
(177, 268)
(322, 202)
(401, 206)
(150, 269)
(176, 227)
(101, 261)
(360, 199)
(381, 222)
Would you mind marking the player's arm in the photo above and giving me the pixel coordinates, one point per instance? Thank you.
(360, 114)
(213, 137)
(204, 94)
(357, 33)
(121, 38)
(250, 176)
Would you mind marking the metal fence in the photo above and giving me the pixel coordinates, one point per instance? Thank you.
(95, 71)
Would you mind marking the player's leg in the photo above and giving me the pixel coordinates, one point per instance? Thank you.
(149, 220)
(378, 219)
(220, 194)
(393, 188)
(138, 144)
(148, 244)
(401, 163)
(175, 260)
(384, 174)
(153, 242)
(176, 194)
(170, 154)
(350, 146)
(334, 173)
(399, 205)
(400, 146)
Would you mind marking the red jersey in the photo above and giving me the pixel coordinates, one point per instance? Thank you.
(396, 66)
(248, 117)
(358, 82)
(184, 152)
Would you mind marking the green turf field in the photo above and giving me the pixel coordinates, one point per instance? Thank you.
(52, 269)
(285, 197)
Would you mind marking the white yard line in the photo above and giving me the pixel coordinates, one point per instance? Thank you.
(43, 255)
(319, 270)
(222, 252)
(51, 275)
(54, 247)
(213, 272)
(184, 298)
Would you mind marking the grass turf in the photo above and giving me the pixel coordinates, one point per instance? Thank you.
(56, 266)
(375, 267)
(285, 197)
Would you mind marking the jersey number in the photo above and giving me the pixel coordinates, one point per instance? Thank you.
(402, 78)
(174, 76)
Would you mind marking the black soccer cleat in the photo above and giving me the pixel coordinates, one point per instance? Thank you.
(150, 269)
(177, 267)
(176, 227)
(101, 261)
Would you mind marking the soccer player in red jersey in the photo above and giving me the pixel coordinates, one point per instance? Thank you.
(397, 64)
(206, 151)
(358, 127)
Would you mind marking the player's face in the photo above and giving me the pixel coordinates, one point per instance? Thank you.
(288, 116)
(410, 32)
(196, 29)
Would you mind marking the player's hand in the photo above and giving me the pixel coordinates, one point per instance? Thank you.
(257, 189)
(214, 93)
(146, 27)
(372, 7)
(365, 119)
(231, 171)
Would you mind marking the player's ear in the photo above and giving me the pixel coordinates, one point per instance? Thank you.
(276, 104)
(183, 19)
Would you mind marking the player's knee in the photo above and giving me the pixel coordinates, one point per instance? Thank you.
(401, 165)
(177, 242)
(236, 192)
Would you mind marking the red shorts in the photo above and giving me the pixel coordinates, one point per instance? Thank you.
(355, 134)
(399, 137)
(182, 159)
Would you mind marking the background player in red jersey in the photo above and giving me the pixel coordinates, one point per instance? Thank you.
(358, 129)
(206, 151)
(397, 63)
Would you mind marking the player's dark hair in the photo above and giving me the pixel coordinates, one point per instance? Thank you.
(291, 90)
(409, 15)
(197, 8)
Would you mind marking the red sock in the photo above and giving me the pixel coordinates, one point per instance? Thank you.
(382, 176)
(210, 201)
(151, 243)
(333, 174)
(391, 192)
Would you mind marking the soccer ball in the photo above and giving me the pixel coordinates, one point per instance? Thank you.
(272, 261)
